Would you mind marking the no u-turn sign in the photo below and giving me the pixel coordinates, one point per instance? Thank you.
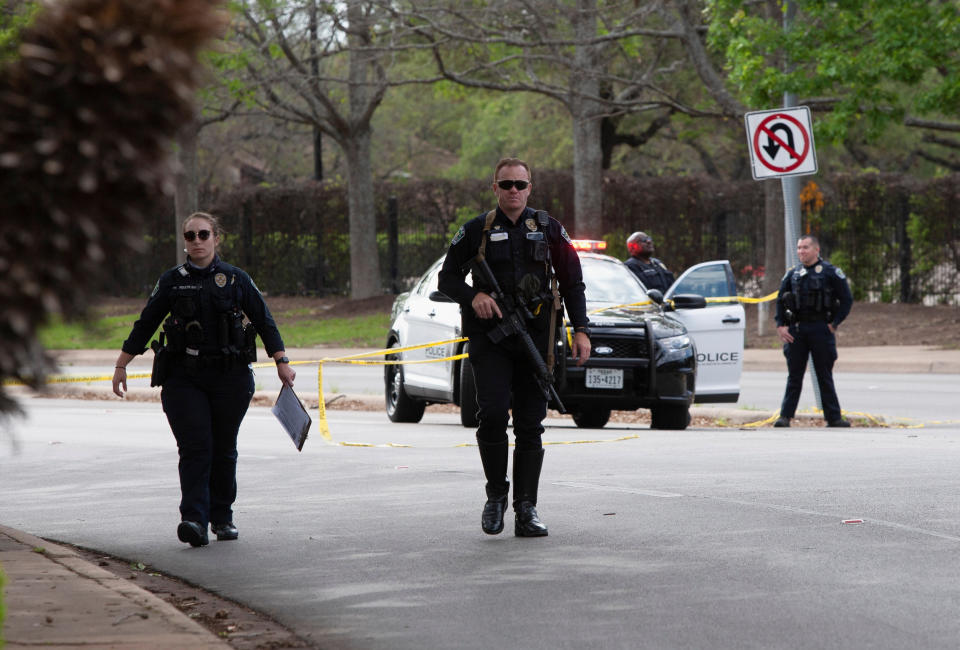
(781, 142)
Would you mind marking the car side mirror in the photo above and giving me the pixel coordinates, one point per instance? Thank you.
(655, 295)
(689, 301)
(437, 296)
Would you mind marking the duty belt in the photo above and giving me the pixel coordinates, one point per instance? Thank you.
(812, 317)
(216, 360)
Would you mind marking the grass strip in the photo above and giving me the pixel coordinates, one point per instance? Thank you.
(109, 332)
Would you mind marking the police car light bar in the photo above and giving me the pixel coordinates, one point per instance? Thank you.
(589, 245)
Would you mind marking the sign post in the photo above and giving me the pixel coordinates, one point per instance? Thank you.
(781, 146)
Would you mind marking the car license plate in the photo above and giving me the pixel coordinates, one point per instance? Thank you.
(610, 378)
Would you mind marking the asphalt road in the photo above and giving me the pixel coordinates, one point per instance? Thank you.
(897, 397)
(704, 538)
(913, 398)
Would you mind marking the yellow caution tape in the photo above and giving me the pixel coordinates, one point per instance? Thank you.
(742, 299)
(875, 420)
(68, 379)
(360, 359)
(760, 423)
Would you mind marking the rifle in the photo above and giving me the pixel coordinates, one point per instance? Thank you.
(515, 314)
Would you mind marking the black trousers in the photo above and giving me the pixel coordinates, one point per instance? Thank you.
(205, 408)
(505, 378)
(817, 341)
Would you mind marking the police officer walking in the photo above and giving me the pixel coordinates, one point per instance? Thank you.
(651, 271)
(813, 300)
(203, 363)
(534, 263)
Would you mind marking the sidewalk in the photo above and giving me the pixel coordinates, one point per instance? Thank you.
(875, 359)
(878, 358)
(56, 599)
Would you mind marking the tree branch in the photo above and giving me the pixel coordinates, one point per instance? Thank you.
(931, 124)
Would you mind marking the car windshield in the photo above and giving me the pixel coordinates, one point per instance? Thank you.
(610, 281)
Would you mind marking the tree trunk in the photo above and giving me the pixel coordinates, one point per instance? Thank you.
(587, 117)
(364, 258)
(185, 190)
(587, 177)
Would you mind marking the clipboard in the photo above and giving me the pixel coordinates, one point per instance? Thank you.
(292, 416)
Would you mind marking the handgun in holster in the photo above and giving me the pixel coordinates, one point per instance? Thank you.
(161, 361)
(790, 308)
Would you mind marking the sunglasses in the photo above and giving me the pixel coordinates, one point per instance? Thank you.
(520, 185)
(190, 235)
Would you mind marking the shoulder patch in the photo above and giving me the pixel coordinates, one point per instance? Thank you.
(840, 273)
(456, 238)
(563, 233)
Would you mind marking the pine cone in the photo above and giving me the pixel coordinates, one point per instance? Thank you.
(87, 116)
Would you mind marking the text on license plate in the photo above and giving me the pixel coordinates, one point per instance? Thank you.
(611, 378)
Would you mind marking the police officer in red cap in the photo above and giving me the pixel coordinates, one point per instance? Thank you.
(651, 271)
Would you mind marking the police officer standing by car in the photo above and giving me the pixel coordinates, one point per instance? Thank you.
(534, 263)
(202, 360)
(813, 300)
(651, 271)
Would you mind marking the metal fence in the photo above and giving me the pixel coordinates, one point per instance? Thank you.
(898, 239)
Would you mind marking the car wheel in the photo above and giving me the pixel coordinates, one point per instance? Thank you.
(591, 418)
(400, 406)
(468, 394)
(669, 417)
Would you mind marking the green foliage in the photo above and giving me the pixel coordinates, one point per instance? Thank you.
(99, 333)
(297, 328)
(463, 215)
(493, 125)
(617, 244)
(13, 20)
(359, 331)
(880, 58)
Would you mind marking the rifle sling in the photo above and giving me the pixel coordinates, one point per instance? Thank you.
(543, 218)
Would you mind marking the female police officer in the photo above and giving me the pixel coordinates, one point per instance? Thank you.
(203, 363)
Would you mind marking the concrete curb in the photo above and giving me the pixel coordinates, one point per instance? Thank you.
(341, 401)
(56, 598)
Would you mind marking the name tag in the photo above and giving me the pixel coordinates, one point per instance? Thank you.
(537, 236)
(498, 236)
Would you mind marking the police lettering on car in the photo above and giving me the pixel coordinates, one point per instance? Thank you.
(813, 300)
(202, 360)
(528, 256)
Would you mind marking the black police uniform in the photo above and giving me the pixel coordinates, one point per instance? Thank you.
(820, 295)
(653, 275)
(502, 370)
(208, 383)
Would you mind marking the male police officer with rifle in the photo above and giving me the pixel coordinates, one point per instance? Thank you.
(523, 263)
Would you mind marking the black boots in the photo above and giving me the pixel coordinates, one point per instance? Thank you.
(225, 531)
(494, 459)
(526, 478)
(192, 533)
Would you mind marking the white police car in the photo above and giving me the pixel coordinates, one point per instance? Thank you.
(657, 356)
